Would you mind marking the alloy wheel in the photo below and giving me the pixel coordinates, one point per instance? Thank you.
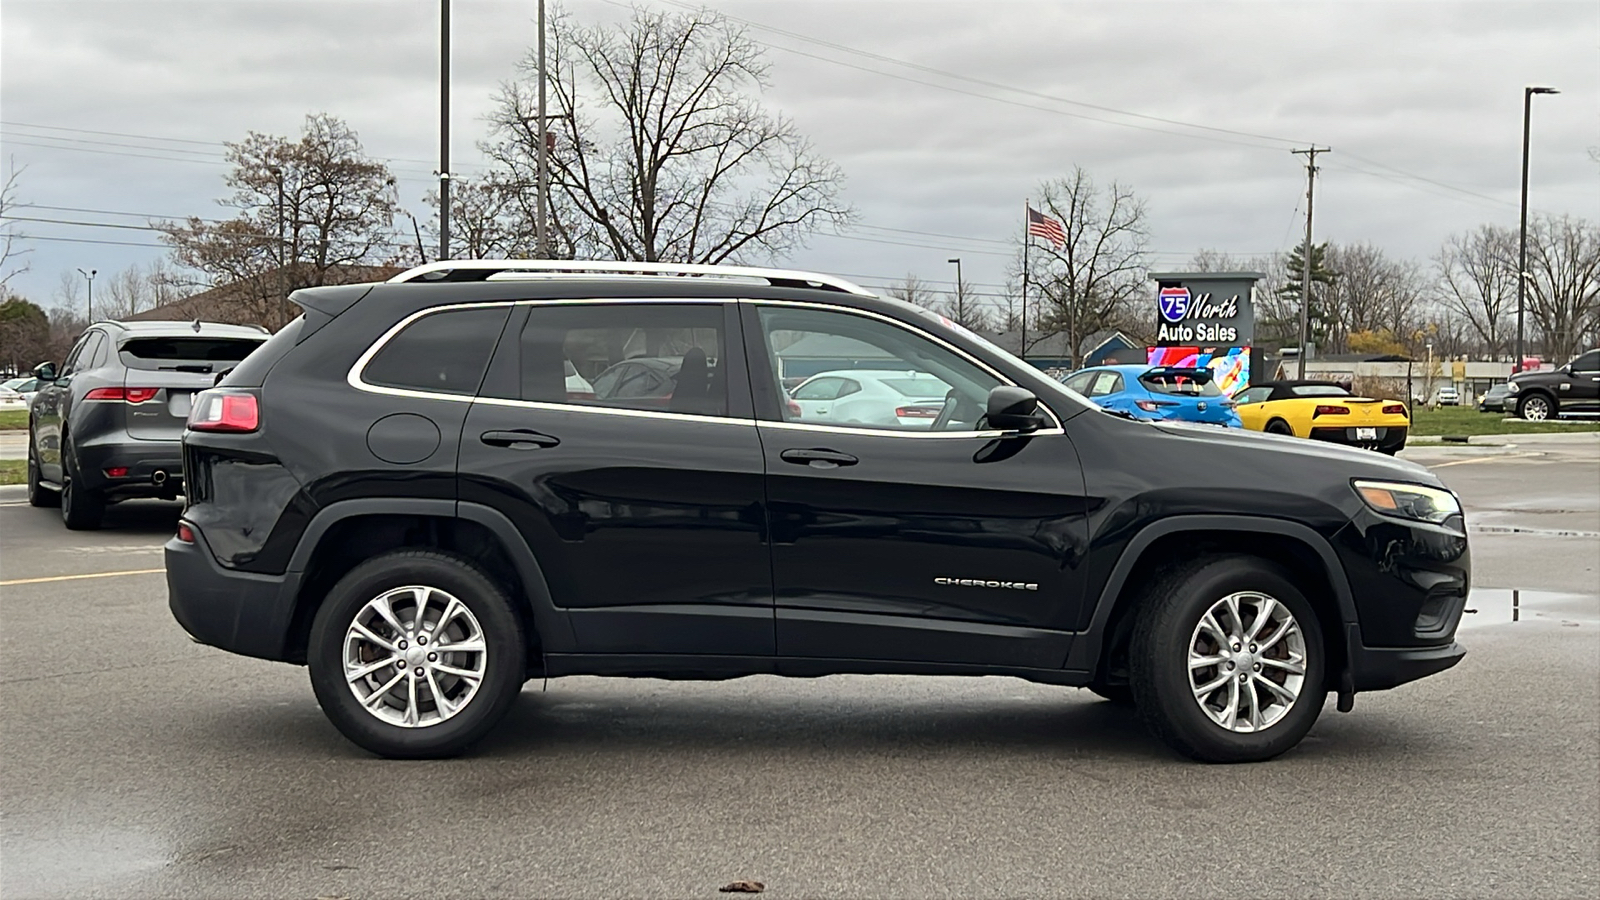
(1536, 409)
(1247, 662)
(414, 656)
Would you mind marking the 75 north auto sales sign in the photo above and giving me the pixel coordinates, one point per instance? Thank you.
(1204, 311)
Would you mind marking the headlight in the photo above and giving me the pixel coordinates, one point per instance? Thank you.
(1409, 501)
(1513, 387)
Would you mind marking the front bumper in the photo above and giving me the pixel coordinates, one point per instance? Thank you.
(241, 612)
(1381, 668)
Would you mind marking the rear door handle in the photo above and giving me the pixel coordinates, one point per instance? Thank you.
(818, 458)
(520, 439)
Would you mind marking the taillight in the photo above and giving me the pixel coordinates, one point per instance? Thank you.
(128, 394)
(185, 533)
(117, 472)
(1153, 405)
(224, 411)
(1394, 409)
(916, 412)
(1331, 411)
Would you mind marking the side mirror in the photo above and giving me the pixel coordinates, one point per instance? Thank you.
(1013, 409)
(45, 371)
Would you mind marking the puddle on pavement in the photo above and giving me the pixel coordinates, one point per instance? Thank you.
(1497, 606)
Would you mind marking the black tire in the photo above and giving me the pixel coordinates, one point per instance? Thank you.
(82, 509)
(504, 663)
(1278, 426)
(38, 495)
(1169, 620)
(1537, 407)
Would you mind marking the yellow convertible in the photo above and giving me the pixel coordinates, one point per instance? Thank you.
(1324, 411)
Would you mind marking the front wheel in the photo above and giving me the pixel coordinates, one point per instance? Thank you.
(416, 654)
(1227, 661)
(1536, 408)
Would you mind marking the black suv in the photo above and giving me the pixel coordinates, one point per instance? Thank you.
(406, 491)
(106, 425)
(1574, 387)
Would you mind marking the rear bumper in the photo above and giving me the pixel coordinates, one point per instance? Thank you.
(143, 460)
(1388, 438)
(240, 612)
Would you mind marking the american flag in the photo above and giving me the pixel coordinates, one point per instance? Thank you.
(1047, 228)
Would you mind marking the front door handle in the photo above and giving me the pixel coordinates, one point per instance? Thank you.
(818, 458)
(520, 439)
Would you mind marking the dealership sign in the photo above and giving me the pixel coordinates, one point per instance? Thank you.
(1210, 309)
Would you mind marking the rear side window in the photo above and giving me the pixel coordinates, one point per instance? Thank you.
(208, 354)
(442, 353)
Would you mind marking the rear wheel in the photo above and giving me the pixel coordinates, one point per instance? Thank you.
(82, 508)
(416, 654)
(38, 494)
(1227, 661)
(1536, 407)
(1279, 426)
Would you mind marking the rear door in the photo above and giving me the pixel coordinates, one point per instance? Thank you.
(162, 375)
(645, 512)
(1585, 380)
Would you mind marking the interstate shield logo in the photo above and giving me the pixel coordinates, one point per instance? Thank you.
(1174, 303)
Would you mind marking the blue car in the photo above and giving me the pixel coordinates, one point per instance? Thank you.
(1156, 393)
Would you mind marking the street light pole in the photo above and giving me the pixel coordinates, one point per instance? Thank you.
(961, 297)
(1522, 229)
(444, 129)
(90, 276)
(544, 150)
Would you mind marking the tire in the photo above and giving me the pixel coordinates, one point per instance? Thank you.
(38, 495)
(1172, 625)
(82, 509)
(396, 725)
(1536, 407)
(1279, 426)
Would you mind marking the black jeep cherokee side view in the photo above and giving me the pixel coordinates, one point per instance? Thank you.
(423, 491)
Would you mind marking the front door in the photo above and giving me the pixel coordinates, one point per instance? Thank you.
(912, 539)
(1583, 378)
(643, 507)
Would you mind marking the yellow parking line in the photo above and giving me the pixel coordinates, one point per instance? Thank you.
(77, 577)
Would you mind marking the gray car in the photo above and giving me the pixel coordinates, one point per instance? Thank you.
(106, 423)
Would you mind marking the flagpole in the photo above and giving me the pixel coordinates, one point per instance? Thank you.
(1023, 347)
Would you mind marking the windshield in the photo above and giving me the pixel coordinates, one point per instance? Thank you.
(1319, 390)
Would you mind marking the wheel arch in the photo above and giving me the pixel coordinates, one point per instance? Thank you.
(1540, 391)
(1305, 556)
(344, 534)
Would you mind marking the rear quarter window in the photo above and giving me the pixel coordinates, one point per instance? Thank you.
(442, 353)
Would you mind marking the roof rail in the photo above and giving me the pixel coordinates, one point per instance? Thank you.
(486, 269)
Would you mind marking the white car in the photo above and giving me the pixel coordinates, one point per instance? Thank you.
(25, 386)
(881, 397)
(1446, 396)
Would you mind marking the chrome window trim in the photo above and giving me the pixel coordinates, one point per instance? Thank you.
(354, 379)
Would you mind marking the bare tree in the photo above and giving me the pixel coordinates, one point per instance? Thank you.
(1478, 281)
(12, 259)
(1564, 283)
(1087, 283)
(969, 314)
(915, 291)
(1372, 293)
(667, 154)
(307, 210)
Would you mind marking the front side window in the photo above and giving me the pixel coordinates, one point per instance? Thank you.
(443, 352)
(655, 357)
(1080, 382)
(1589, 362)
(897, 361)
(77, 355)
(1255, 395)
(819, 389)
(1322, 390)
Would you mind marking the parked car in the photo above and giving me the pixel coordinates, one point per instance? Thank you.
(1546, 394)
(1445, 395)
(1494, 399)
(1324, 411)
(25, 387)
(1156, 393)
(106, 423)
(395, 492)
(9, 397)
(893, 399)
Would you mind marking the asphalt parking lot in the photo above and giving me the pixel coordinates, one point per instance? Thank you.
(139, 764)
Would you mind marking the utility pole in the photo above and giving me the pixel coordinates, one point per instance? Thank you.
(1305, 256)
(444, 129)
(544, 150)
(961, 297)
(90, 275)
(1522, 230)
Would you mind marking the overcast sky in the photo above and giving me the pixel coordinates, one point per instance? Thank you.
(115, 112)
